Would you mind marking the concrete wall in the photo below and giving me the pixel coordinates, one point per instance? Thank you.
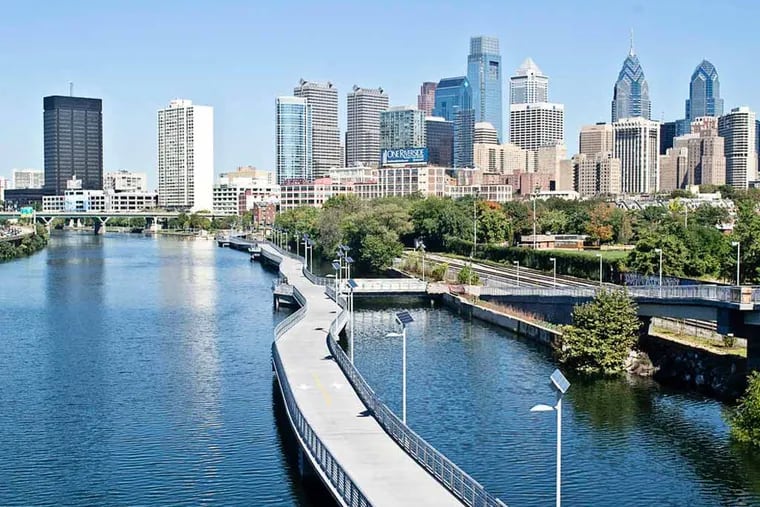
(518, 326)
(723, 376)
(558, 310)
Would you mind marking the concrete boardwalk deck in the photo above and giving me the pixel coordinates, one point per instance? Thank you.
(386, 475)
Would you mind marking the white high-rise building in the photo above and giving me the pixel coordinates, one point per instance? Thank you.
(125, 181)
(738, 130)
(529, 85)
(185, 156)
(28, 178)
(637, 145)
(325, 133)
(402, 127)
(363, 125)
(532, 126)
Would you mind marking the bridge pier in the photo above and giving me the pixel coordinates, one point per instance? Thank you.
(100, 225)
(47, 222)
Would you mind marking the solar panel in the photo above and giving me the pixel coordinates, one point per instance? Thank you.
(404, 318)
(349, 260)
(352, 283)
(336, 266)
(560, 382)
(345, 248)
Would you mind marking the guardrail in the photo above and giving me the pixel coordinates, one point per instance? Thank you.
(330, 467)
(464, 487)
(369, 285)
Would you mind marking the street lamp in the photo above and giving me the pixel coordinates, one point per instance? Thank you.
(402, 318)
(659, 251)
(561, 384)
(554, 271)
(535, 190)
(306, 245)
(336, 267)
(738, 260)
(351, 286)
(517, 263)
(474, 235)
(600, 268)
(420, 245)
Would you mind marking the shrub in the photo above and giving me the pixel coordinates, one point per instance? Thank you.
(601, 335)
(468, 276)
(745, 419)
(438, 273)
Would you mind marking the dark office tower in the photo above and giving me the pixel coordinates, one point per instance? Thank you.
(439, 135)
(667, 133)
(73, 142)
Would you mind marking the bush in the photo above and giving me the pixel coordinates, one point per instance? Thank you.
(602, 334)
(729, 340)
(745, 419)
(468, 276)
(438, 273)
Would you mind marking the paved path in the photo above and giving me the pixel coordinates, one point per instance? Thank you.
(382, 470)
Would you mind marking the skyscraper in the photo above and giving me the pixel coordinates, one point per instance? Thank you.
(402, 127)
(293, 139)
(426, 98)
(631, 93)
(637, 145)
(528, 85)
(704, 93)
(363, 129)
(325, 134)
(484, 74)
(464, 133)
(595, 139)
(451, 95)
(668, 131)
(439, 139)
(73, 142)
(534, 125)
(186, 156)
(738, 129)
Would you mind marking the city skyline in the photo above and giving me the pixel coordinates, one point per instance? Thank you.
(245, 121)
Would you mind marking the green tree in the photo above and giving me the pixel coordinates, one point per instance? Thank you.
(520, 218)
(645, 260)
(492, 223)
(437, 218)
(599, 226)
(746, 232)
(745, 419)
(602, 334)
(553, 221)
(709, 216)
(468, 276)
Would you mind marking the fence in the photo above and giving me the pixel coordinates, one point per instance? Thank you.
(464, 487)
(340, 480)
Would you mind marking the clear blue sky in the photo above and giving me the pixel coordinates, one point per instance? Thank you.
(237, 56)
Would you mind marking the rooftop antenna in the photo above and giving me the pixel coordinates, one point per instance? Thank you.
(71, 88)
(631, 51)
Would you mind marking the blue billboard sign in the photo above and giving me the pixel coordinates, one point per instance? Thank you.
(404, 156)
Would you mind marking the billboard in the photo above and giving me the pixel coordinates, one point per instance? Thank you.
(27, 211)
(404, 156)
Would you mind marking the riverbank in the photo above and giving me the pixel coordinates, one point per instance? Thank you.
(27, 245)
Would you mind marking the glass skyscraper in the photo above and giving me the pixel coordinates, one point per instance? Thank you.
(704, 93)
(631, 94)
(484, 74)
(451, 95)
(73, 131)
(464, 134)
(439, 139)
(293, 138)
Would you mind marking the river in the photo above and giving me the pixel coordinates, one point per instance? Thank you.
(137, 370)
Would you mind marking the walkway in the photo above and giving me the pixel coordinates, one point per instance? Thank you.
(385, 474)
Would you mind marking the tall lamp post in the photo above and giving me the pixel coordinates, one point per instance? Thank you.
(517, 263)
(474, 235)
(535, 190)
(420, 245)
(402, 318)
(336, 267)
(306, 247)
(738, 260)
(659, 251)
(351, 286)
(561, 384)
(554, 271)
(600, 269)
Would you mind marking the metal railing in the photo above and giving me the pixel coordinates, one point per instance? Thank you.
(718, 293)
(453, 478)
(369, 285)
(330, 467)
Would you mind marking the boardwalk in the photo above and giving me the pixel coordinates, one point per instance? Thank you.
(385, 474)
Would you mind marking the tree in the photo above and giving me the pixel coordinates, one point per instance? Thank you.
(709, 216)
(492, 223)
(468, 276)
(520, 217)
(745, 419)
(599, 226)
(553, 221)
(645, 260)
(747, 232)
(601, 335)
(436, 218)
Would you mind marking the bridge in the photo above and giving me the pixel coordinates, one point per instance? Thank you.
(358, 447)
(100, 218)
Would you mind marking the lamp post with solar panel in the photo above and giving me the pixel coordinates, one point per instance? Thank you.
(402, 318)
(336, 267)
(351, 286)
(561, 384)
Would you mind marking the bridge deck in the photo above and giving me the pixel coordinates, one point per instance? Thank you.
(382, 470)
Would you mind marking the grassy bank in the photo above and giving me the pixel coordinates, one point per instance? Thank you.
(27, 246)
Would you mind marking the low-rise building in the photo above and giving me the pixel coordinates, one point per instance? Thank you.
(296, 193)
(493, 193)
(125, 181)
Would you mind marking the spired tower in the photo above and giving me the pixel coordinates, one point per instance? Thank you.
(630, 97)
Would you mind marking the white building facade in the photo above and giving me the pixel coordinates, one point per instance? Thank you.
(27, 178)
(186, 156)
(532, 126)
(325, 133)
(738, 130)
(364, 106)
(125, 181)
(637, 145)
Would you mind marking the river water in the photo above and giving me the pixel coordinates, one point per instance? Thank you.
(137, 371)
